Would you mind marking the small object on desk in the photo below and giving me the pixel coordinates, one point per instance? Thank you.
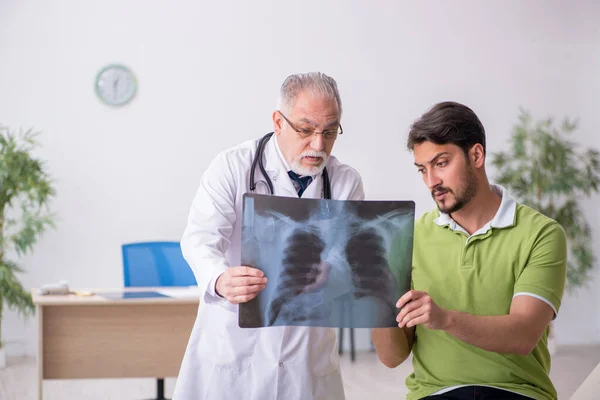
(131, 295)
(83, 293)
(61, 287)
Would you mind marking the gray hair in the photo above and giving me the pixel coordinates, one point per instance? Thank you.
(315, 83)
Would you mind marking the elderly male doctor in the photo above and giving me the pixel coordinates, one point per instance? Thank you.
(222, 360)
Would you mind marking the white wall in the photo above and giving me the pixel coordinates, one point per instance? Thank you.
(208, 77)
(579, 321)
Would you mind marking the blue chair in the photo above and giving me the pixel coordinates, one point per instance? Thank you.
(154, 264)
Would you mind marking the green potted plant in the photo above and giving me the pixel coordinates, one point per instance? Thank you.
(548, 171)
(25, 192)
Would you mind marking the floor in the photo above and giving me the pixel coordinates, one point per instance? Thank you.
(365, 378)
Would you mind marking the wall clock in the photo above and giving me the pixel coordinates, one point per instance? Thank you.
(116, 85)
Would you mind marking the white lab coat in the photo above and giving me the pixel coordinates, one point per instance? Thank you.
(222, 360)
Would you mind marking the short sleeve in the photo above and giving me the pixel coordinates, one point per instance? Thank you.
(544, 275)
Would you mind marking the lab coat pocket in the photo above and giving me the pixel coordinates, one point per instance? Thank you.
(328, 387)
(322, 355)
(228, 346)
(226, 384)
(325, 366)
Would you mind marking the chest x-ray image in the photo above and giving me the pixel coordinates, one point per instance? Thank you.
(329, 263)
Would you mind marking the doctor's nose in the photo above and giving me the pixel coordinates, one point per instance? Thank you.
(317, 143)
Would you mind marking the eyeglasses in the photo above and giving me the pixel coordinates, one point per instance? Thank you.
(305, 133)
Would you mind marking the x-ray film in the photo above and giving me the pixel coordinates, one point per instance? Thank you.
(329, 263)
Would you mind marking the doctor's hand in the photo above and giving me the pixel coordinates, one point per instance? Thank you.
(240, 284)
(418, 308)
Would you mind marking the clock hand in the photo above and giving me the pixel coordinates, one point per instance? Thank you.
(115, 85)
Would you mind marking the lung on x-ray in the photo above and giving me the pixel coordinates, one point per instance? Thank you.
(329, 263)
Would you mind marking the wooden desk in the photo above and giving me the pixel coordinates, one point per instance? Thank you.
(94, 337)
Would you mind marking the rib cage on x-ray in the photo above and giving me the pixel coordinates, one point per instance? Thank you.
(321, 267)
(367, 257)
(301, 255)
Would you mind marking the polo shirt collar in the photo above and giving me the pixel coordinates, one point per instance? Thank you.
(505, 216)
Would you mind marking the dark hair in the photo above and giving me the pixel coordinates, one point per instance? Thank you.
(448, 122)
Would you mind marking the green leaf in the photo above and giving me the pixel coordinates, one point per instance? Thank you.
(26, 191)
(546, 170)
(12, 292)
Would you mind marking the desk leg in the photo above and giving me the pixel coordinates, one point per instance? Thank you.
(40, 356)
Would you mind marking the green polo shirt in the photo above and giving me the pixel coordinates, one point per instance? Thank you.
(520, 252)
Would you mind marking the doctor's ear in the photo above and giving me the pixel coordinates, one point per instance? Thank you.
(277, 121)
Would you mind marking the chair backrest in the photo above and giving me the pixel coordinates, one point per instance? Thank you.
(156, 264)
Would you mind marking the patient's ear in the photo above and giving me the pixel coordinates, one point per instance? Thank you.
(477, 155)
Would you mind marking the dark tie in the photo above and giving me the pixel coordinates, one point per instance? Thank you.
(303, 181)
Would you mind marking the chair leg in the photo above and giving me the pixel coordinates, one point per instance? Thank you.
(160, 389)
(341, 342)
(352, 352)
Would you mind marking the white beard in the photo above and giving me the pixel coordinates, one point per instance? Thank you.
(302, 170)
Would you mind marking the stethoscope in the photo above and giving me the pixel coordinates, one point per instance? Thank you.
(258, 159)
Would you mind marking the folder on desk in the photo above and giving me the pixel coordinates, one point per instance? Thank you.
(131, 295)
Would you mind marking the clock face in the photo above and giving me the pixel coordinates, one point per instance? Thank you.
(116, 85)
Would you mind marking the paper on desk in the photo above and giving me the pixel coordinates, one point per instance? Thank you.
(181, 292)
